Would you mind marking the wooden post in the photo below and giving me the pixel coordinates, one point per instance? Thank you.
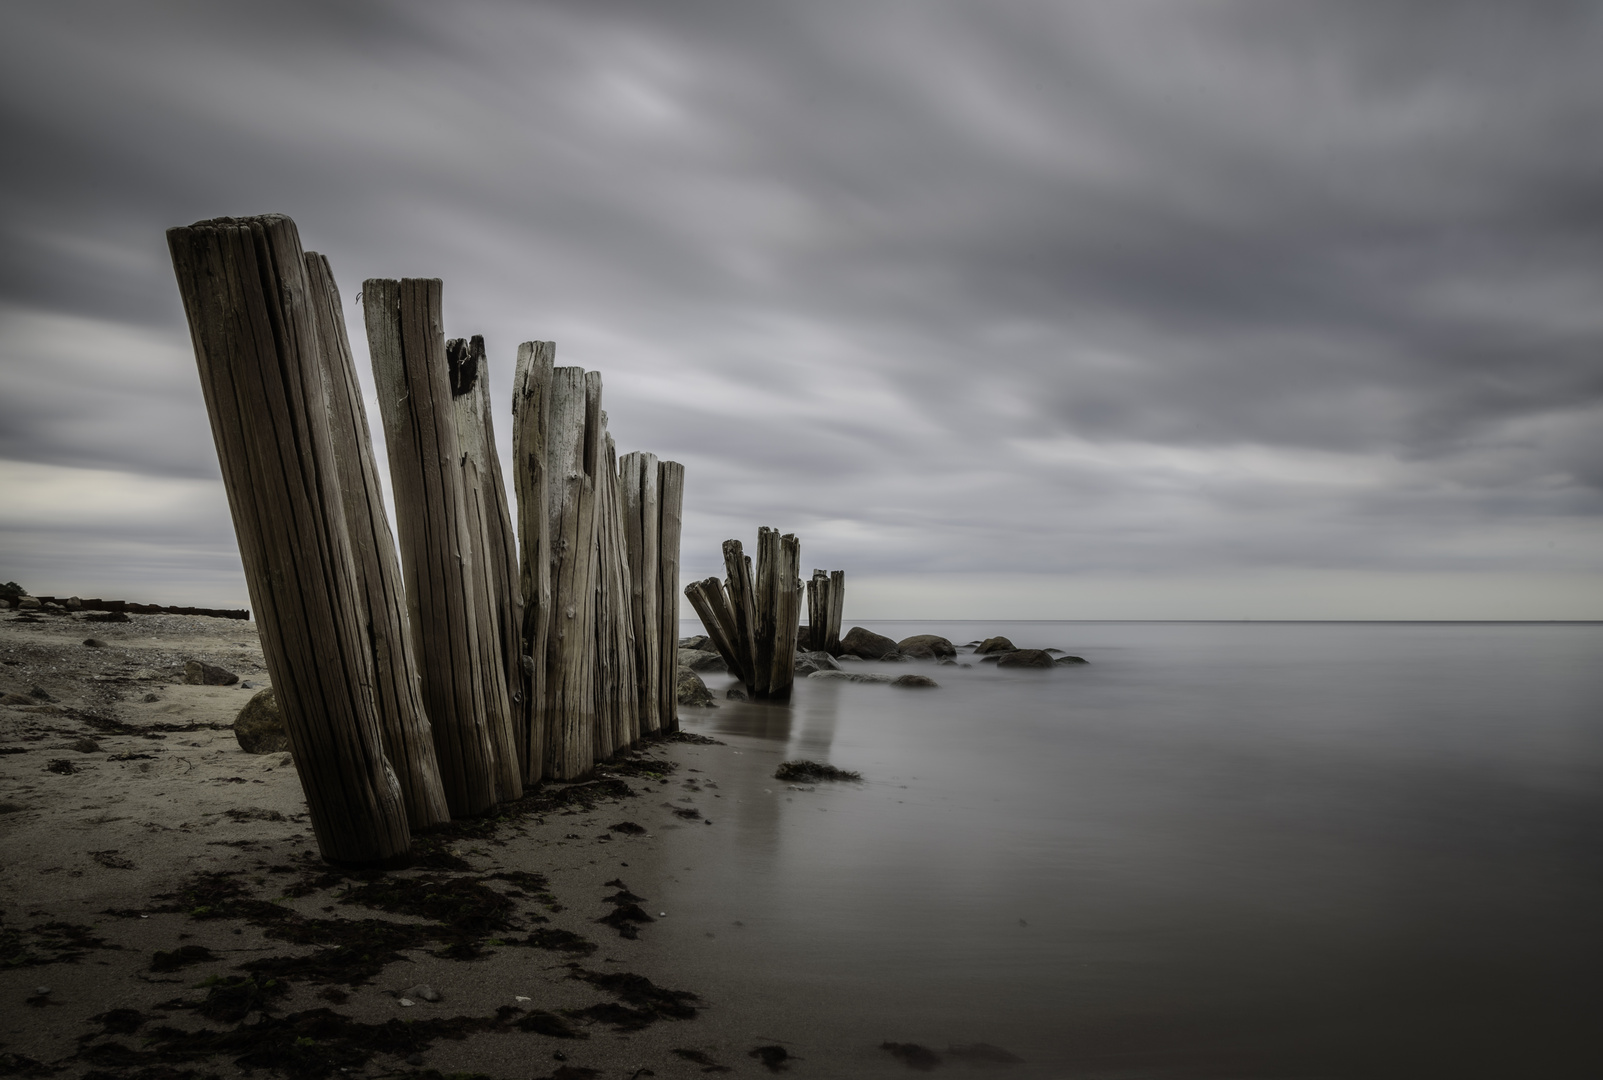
(570, 681)
(837, 600)
(766, 603)
(817, 609)
(615, 640)
(787, 589)
(531, 421)
(407, 343)
(742, 607)
(604, 732)
(498, 612)
(243, 286)
(641, 528)
(408, 740)
(671, 497)
(713, 608)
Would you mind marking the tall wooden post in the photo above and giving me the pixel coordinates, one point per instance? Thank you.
(408, 739)
(641, 526)
(742, 607)
(837, 601)
(244, 290)
(671, 496)
(616, 682)
(407, 342)
(531, 421)
(786, 605)
(570, 678)
(498, 612)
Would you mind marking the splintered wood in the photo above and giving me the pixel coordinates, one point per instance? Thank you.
(505, 645)
(753, 621)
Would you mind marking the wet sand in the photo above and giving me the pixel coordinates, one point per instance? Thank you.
(165, 914)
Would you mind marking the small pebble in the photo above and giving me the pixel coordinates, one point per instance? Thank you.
(407, 1003)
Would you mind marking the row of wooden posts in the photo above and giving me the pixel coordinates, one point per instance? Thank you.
(499, 648)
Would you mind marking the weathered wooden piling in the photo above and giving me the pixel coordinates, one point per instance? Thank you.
(825, 595)
(753, 622)
(408, 739)
(618, 700)
(407, 343)
(571, 454)
(641, 525)
(531, 421)
(499, 612)
(671, 500)
(244, 289)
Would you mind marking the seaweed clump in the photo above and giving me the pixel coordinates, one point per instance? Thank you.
(808, 772)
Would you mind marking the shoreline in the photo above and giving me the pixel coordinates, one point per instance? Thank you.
(164, 908)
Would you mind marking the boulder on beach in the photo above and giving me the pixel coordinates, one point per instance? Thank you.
(200, 673)
(926, 647)
(994, 645)
(851, 676)
(921, 682)
(698, 641)
(1033, 658)
(809, 662)
(1070, 661)
(259, 727)
(691, 690)
(867, 644)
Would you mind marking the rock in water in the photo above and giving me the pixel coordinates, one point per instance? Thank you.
(691, 690)
(1025, 658)
(697, 641)
(1072, 660)
(851, 676)
(701, 660)
(809, 662)
(926, 647)
(918, 681)
(200, 673)
(994, 645)
(867, 644)
(259, 727)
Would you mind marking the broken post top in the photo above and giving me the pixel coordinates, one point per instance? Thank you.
(464, 361)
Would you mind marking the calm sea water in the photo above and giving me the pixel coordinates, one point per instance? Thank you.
(1243, 849)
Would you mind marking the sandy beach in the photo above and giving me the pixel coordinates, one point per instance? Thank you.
(165, 913)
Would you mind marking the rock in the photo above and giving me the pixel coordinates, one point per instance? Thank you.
(148, 698)
(702, 660)
(247, 685)
(1072, 660)
(200, 673)
(41, 693)
(851, 676)
(93, 643)
(691, 690)
(699, 642)
(847, 658)
(74, 604)
(422, 992)
(809, 662)
(146, 674)
(866, 644)
(994, 645)
(916, 681)
(259, 727)
(1031, 658)
(737, 693)
(926, 647)
(948, 663)
(29, 603)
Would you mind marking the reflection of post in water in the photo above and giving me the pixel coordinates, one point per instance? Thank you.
(753, 624)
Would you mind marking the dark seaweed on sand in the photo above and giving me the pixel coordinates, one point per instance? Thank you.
(811, 771)
(772, 1057)
(912, 1055)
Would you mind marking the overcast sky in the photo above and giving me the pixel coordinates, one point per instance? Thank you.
(1057, 310)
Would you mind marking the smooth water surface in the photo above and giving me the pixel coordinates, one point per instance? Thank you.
(1226, 849)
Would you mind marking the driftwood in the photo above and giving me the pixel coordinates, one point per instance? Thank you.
(753, 622)
(407, 344)
(671, 498)
(531, 421)
(637, 482)
(570, 656)
(499, 611)
(825, 595)
(244, 289)
(408, 739)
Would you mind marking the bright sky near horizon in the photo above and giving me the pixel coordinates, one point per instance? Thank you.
(1008, 309)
